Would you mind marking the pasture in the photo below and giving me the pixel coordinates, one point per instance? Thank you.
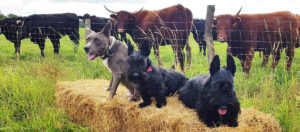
(27, 100)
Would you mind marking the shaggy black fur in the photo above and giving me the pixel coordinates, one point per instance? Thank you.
(213, 95)
(152, 81)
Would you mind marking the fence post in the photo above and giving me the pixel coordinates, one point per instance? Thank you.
(87, 25)
(208, 33)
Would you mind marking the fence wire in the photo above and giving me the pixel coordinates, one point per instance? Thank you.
(14, 31)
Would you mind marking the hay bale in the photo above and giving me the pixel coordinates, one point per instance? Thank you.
(85, 103)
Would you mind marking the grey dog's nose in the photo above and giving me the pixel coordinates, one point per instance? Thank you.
(86, 49)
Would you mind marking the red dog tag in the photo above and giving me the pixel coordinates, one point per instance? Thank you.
(149, 69)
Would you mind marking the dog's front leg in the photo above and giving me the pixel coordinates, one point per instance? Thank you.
(146, 100)
(116, 81)
(111, 81)
(160, 101)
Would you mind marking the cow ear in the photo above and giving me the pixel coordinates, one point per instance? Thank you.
(230, 64)
(236, 20)
(107, 29)
(214, 65)
(18, 21)
(113, 16)
(145, 49)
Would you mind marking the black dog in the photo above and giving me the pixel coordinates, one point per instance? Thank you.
(152, 81)
(213, 95)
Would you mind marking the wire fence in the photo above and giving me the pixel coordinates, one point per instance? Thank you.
(16, 31)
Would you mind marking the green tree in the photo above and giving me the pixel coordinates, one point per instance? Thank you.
(11, 15)
(2, 16)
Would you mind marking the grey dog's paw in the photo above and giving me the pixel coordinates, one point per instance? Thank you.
(107, 89)
(131, 97)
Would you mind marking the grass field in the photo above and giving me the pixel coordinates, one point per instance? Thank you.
(27, 100)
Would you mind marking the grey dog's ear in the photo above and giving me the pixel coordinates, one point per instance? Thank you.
(230, 64)
(107, 29)
(215, 65)
(89, 32)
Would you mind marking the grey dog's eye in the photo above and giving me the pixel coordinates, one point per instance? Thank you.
(96, 40)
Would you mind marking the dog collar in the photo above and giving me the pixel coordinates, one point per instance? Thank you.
(149, 69)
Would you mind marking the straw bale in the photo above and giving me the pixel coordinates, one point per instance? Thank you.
(85, 103)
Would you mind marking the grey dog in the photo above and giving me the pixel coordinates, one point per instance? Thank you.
(114, 56)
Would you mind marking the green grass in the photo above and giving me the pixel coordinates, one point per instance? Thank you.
(27, 100)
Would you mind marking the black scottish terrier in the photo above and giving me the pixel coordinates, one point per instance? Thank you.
(213, 95)
(152, 81)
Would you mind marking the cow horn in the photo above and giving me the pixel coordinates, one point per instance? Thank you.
(238, 13)
(141, 9)
(110, 10)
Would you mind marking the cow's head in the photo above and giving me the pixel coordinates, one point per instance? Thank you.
(225, 24)
(123, 19)
(11, 24)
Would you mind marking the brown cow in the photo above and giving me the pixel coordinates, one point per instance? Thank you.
(269, 33)
(171, 25)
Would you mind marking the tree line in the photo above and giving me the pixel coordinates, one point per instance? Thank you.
(2, 16)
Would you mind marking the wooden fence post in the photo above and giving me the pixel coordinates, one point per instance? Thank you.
(208, 33)
(87, 25)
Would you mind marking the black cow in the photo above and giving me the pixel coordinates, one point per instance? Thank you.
(12, 30)
(53, 26)
(198, 31)
(98, 23)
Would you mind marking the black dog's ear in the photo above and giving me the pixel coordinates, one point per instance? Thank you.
(130, 48)
(145, 49)
(214, 65)
(149, 62)
(230, 64)
(107, 29)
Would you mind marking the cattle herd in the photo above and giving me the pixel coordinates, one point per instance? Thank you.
(268, 33)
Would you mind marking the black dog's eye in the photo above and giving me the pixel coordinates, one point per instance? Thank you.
(141, 61)
(130, 58)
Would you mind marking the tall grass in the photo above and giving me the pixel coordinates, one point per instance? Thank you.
(27, 100)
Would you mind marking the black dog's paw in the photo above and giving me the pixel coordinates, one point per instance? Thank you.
(212, 124)
(141, 105)
(161, 104)
(135, 99)
(233, 124)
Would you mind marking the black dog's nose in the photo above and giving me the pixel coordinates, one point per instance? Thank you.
(223, 107)
(135, 75)
(86, 49)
